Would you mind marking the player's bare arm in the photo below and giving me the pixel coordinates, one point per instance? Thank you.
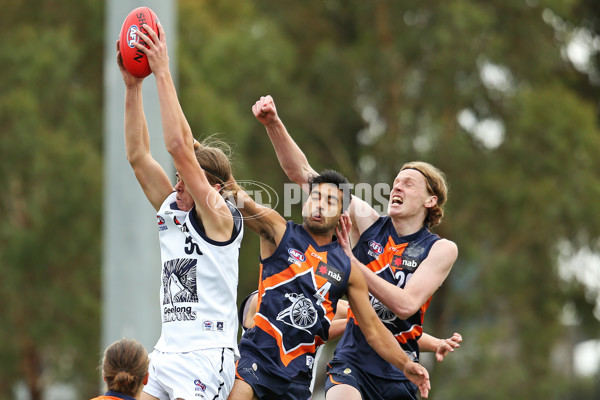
(149, 173)
(362, 216)
(441, 347)
(267, 223)
(294, 163)
(179, 141)
(290, 156)
(378, 336)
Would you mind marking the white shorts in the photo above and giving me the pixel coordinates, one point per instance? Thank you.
(202, 374)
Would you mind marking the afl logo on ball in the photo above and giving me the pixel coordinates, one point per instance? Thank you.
(132, 36)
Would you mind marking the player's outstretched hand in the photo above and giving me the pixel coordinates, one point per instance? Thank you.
(157, 53)
(342, 231)
(417, 374)
(129, 79)
(265, 111)
(447, 346)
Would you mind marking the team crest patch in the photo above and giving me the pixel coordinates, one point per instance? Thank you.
(162, 226)
(301, 314)
(330, 273)
(375, 249)
(199, 385)
(217, 326)
(296, 256)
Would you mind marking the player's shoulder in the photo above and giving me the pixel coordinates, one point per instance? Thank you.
(446, 247)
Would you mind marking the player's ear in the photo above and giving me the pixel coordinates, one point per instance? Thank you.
(431, 201)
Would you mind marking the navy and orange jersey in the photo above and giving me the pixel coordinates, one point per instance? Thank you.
(300, 285)
(394, 259)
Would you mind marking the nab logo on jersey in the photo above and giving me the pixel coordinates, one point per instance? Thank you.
(332, 275)
(399, 263)
(375, 249)
(296, 256)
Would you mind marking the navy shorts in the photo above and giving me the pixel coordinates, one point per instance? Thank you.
(267, 386)
(371, 387)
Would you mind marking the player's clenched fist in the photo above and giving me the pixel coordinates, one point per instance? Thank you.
(264, 110)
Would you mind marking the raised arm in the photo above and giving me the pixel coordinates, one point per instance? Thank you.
(291, 158)
(211, 207)
(151, 176)
(378, 336)
(294, 163)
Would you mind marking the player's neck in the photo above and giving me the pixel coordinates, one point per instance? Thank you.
(407, 226)
(322, 239)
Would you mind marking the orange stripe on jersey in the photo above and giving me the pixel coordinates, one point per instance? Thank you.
(286, 356)
(285, 275)
(312, 261)
(414, 332)
(333, 381)
(236, 373)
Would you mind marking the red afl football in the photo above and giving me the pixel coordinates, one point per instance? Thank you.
(134, 60)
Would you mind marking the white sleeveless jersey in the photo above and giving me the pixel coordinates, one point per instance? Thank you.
(199, 279)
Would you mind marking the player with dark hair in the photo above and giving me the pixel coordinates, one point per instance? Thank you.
(124, 369)
(200, 235)
(403, 262)
(303, 274)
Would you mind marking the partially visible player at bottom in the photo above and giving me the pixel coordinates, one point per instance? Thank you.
(124, 369)
(304, 272)
(200, 235)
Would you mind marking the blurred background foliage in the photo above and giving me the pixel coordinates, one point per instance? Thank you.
(502, 95)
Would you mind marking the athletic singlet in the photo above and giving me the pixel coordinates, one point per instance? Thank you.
(300, 285)
(394, 259)
(199, 278)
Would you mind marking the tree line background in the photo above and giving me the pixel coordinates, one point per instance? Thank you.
(489, 92)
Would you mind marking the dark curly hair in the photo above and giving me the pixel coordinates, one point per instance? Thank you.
(336, 179)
